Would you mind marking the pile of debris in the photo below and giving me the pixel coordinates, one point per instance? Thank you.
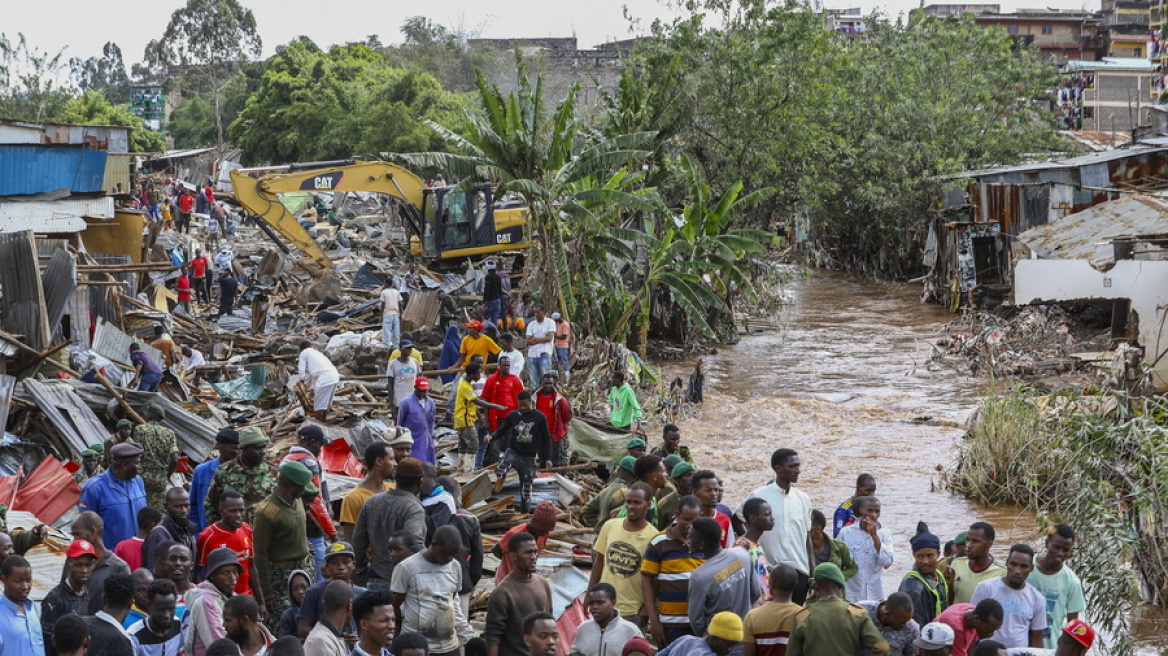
(1033, 343)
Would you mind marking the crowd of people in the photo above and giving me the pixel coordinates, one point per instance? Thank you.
(250, 561)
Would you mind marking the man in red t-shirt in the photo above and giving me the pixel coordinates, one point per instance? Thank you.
(558, 411)
(233, 533)
(503, 388)
(202, 283)
(186, 203)
(182, 286)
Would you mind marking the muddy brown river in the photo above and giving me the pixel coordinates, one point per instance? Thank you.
(844, 383)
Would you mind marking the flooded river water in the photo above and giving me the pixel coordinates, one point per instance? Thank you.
(844, 383)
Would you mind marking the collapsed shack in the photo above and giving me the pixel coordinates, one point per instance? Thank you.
(69, 315)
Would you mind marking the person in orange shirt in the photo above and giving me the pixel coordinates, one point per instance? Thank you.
(476, 343)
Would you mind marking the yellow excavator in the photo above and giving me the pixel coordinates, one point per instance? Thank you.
(443, 224)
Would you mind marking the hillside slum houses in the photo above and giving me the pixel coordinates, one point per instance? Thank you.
(83, 275)
(1082, 229)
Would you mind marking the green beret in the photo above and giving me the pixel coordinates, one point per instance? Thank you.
(98, 447)
(156, 409)
(125, 423)
(671, 461)
(829, 571)
(295, 471)
(251, 435)
(626, 463)
(636, 443)
(89, 453)
(681, 469)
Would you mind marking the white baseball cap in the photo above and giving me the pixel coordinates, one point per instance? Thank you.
(555, 315)
(935, 635)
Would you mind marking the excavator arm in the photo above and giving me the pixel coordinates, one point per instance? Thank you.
(260, 195)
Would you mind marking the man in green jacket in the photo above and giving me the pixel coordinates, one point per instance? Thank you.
(830, 550)
(622, 402)
(829, 625)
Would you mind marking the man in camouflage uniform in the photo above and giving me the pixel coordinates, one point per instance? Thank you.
(249, 474)
(90, 465)
(20, 540)
(280, 540)
(159, 455)
(125, 429)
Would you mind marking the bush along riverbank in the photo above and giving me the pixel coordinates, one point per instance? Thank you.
(1097, 461)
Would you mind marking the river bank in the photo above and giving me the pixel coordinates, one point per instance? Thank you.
(845, 383)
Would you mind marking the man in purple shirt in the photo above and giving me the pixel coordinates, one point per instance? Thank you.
(146, 371)
(416, 412)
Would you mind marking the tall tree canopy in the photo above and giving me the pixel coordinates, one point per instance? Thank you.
(314, 105)
(211, 38)
(105, 74)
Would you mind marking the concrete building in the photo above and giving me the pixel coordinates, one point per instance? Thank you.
(562, 63)
(1128, 24)
(1059, 37)
(946, 11)
(1116, 95)
(847, 22)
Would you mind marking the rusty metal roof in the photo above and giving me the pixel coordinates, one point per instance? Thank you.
(1084, 235)
(1098, 140)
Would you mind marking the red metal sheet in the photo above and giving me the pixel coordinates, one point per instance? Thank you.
(573, 617)
(8, 487)
(48, 492)
(338, 458)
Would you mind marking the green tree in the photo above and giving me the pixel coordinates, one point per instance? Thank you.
(192, 121)
(106, 74)
(32, 82)
(92, 107)
(211, 38)
(315, 105)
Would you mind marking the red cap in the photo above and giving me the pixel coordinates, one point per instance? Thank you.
(421, 383)
(475, 324)
(1081, 632)
(80, 548)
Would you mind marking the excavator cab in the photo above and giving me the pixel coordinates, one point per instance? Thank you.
(465, 223)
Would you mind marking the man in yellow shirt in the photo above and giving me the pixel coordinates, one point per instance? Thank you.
(476, 343)
(466, 416)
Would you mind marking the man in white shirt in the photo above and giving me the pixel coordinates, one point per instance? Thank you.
(224, 258)
(191, 358)
(316, 370)
(789, 542)
(514, 355)
(540, 333)
(390, 314)
(1024, 607)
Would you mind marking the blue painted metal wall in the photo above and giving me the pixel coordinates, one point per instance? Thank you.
(33, 169)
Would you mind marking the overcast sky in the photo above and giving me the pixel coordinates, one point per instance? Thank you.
(83, 26)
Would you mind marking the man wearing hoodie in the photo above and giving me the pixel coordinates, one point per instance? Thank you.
(529, 446)
(203, 621)
(298, 584)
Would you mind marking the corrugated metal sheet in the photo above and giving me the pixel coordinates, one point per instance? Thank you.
(7, 385)
(74, 421)
(117, 172)
(80, 316)
(1082, 236)
(196, 435)
(22, 306)
(59, 281)
(27, 170)
(48, 492)
(17, 134)
(109, 342)
(64, 215)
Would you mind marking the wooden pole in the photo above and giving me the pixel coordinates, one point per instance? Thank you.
(44, 355)
(120, 399)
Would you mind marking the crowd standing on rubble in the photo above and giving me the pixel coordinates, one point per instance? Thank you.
(249, 559)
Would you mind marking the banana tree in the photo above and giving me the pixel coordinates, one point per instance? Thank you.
(536, 151)
(696, 259)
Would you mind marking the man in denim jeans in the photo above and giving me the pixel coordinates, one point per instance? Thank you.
(147, 374)
(493, 293)
(540, 333)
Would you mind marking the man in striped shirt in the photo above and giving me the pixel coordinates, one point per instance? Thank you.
(766, 628)
(665, 573)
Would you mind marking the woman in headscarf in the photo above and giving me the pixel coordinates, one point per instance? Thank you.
(451, 353)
